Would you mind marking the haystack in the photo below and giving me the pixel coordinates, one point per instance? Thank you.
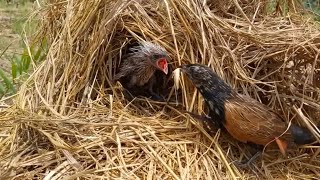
(69, 122)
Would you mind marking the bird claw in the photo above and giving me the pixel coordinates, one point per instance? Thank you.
(156, 97)
(242, 164)
(248, 163)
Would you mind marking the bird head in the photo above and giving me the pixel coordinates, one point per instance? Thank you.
(155, 55)
(205, 79)
(199, 74)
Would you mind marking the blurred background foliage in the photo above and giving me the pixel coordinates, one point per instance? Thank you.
(314, 7)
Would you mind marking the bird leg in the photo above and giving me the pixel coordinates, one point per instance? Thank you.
(247, 163)
(154, 95)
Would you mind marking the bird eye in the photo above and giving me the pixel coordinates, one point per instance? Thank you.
(156, 56)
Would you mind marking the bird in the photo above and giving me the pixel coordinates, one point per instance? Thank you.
(145, 70)
(243, 117)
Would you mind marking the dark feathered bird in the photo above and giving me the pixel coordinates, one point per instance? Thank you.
(144, 70)
(246, 119)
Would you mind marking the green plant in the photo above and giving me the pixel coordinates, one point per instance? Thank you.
(20, 67)
(6, 84)
(314, 7)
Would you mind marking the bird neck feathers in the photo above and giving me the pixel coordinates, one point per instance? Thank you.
(216, 93)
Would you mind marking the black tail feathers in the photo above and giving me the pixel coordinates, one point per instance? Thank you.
(301, 135)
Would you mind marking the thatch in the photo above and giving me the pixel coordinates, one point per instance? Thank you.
(69, 121)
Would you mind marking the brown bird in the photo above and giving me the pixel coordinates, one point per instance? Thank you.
(244, 118)
(144, 70)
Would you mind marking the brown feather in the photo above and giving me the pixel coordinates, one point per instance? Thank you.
(247, 120)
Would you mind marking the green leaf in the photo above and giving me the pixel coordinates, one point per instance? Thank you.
(17, 61)
(7, 81)
(14, 70)
(25, 63)
(1, 89)
(37, 55)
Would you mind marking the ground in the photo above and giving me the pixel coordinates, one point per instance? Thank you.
(12, 19)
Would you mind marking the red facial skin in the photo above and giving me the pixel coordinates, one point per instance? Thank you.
(162, 64)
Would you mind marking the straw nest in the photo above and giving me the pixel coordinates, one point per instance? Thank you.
(67, 121)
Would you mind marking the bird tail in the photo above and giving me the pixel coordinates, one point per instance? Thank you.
(301, 135)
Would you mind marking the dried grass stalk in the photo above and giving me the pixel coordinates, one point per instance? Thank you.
(68, 121)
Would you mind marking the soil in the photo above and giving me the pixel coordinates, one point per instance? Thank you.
(12, 17)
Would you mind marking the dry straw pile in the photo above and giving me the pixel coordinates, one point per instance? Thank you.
(68, 122)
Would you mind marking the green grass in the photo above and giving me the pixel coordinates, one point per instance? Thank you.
(17, 25)
(314, 6)
(12, 23)
(20, 67)
(19, 14)
(15, 61)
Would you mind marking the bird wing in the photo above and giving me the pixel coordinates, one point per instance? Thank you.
(127, 67)
(250, 121)
(123, 73)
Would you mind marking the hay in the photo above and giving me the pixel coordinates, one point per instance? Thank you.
(68, 121)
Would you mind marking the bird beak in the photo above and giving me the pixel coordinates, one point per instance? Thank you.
(162, 64)
(165, 70)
